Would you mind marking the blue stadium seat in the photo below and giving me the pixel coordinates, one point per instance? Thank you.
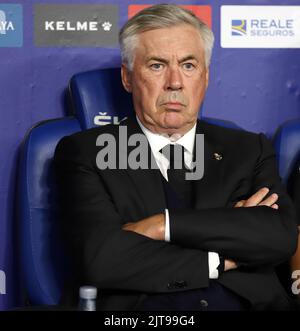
(287, 146)
(42, 259)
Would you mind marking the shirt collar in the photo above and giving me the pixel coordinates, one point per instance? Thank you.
(158, 141)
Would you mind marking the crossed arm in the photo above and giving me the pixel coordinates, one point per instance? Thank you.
(154, 226)
(259, 230)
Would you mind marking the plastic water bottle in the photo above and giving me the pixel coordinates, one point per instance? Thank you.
(88, 296)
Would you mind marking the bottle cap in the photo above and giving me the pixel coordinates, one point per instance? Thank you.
(88, 292)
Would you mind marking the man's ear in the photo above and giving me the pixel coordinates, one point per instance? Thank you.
(126, 78)
(206, 77)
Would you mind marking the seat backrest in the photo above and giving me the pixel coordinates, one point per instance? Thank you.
(98, 98)
(287, 146)
(43, 263)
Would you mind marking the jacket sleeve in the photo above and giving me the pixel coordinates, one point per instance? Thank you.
(106, 255)
(253, 236)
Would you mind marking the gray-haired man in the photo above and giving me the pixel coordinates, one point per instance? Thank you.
(150, 240)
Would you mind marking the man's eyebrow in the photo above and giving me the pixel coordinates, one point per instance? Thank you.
(189, 57)
(156, 58)
(160, 59)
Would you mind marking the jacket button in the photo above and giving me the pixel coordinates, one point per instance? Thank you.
(180, 284)
(203, 303)
(170, 286)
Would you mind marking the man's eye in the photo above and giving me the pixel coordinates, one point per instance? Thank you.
(188, 66)
(156, 66)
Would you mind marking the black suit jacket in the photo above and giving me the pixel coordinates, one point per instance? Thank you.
(126, 266)
(294, 188)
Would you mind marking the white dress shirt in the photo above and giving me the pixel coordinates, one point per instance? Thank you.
(159, 141)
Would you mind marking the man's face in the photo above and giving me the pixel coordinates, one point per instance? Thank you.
(169, 78)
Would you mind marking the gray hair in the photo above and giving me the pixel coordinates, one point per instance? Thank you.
(157, 17)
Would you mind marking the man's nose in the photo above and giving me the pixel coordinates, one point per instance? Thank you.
(174, 79)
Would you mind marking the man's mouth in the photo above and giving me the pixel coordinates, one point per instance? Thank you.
(174, 105)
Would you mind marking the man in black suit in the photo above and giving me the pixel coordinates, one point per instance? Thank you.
(150, 239)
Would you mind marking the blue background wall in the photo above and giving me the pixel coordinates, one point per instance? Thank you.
(256, 88)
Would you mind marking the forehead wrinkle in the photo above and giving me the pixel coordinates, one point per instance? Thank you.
(162, 46)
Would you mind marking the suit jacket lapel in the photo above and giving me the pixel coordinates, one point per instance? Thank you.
(146, 181)
(207, 189)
